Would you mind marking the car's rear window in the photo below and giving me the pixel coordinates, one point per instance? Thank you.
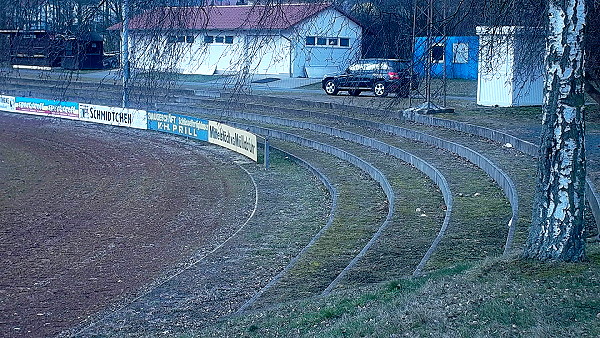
(400, 65)
(378, 65)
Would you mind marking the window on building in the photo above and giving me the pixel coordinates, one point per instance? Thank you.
(327, 41)
(175, 38)
(219, 39)
(460, 53)
(189, 39)
(437, 53)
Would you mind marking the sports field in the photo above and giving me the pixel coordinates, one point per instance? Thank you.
(90, 215)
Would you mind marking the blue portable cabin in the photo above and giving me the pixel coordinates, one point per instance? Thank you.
(457, 53)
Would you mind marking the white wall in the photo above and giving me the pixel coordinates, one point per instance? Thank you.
(261, 53)
(268, 52)
(506, 76)
(213, 58)
(495, 66)
(197, 57)
(529, 73)
(320, 59)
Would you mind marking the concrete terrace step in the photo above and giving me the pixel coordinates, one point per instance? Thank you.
(281, 103)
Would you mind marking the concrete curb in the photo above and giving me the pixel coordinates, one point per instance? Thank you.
(433, 173)
(334, 201)
(523, 146)
(373, 172)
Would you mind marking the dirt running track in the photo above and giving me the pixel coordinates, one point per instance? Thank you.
(89, 214)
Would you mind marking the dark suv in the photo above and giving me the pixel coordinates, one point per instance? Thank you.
(381, 76)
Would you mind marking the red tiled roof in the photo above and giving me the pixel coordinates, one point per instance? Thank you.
(225, 17)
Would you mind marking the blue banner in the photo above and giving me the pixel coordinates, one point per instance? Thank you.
(69, 110)
(178, 124)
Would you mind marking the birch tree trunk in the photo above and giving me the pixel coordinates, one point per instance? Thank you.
(557, 230)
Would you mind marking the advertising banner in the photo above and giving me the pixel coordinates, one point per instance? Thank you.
(7, 103)
(178, 124)
(235, 139)
(114, 116)
(67, 110)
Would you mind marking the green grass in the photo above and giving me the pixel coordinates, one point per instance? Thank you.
(314, 86)
(169, 76)
(457, 87)
(496, 297)
(592, 116)
(349, 231)
(198, 78)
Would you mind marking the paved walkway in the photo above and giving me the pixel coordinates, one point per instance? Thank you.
(255, 82)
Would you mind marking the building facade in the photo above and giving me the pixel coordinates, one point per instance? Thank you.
(296, 40)
(456, 56)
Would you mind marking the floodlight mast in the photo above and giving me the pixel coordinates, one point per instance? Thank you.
(429, 34)
(429, 57)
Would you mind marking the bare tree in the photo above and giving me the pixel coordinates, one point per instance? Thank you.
(558, 223)
(557, 229)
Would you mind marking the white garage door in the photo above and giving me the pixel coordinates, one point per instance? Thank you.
(270, 55)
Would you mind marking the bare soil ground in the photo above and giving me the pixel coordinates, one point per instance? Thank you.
(90, 214)
(112, 263)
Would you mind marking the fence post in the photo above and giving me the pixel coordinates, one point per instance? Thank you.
(267, 159)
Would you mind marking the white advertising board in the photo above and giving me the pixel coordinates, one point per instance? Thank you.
(7, 103)
(115, 116)
(238, 140)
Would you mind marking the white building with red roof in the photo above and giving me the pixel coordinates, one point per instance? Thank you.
(296, 40)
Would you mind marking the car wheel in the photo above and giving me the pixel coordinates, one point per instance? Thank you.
(331, 88)
(379, 89)
(354, 92)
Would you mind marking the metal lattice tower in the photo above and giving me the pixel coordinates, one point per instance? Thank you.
(429, 43)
